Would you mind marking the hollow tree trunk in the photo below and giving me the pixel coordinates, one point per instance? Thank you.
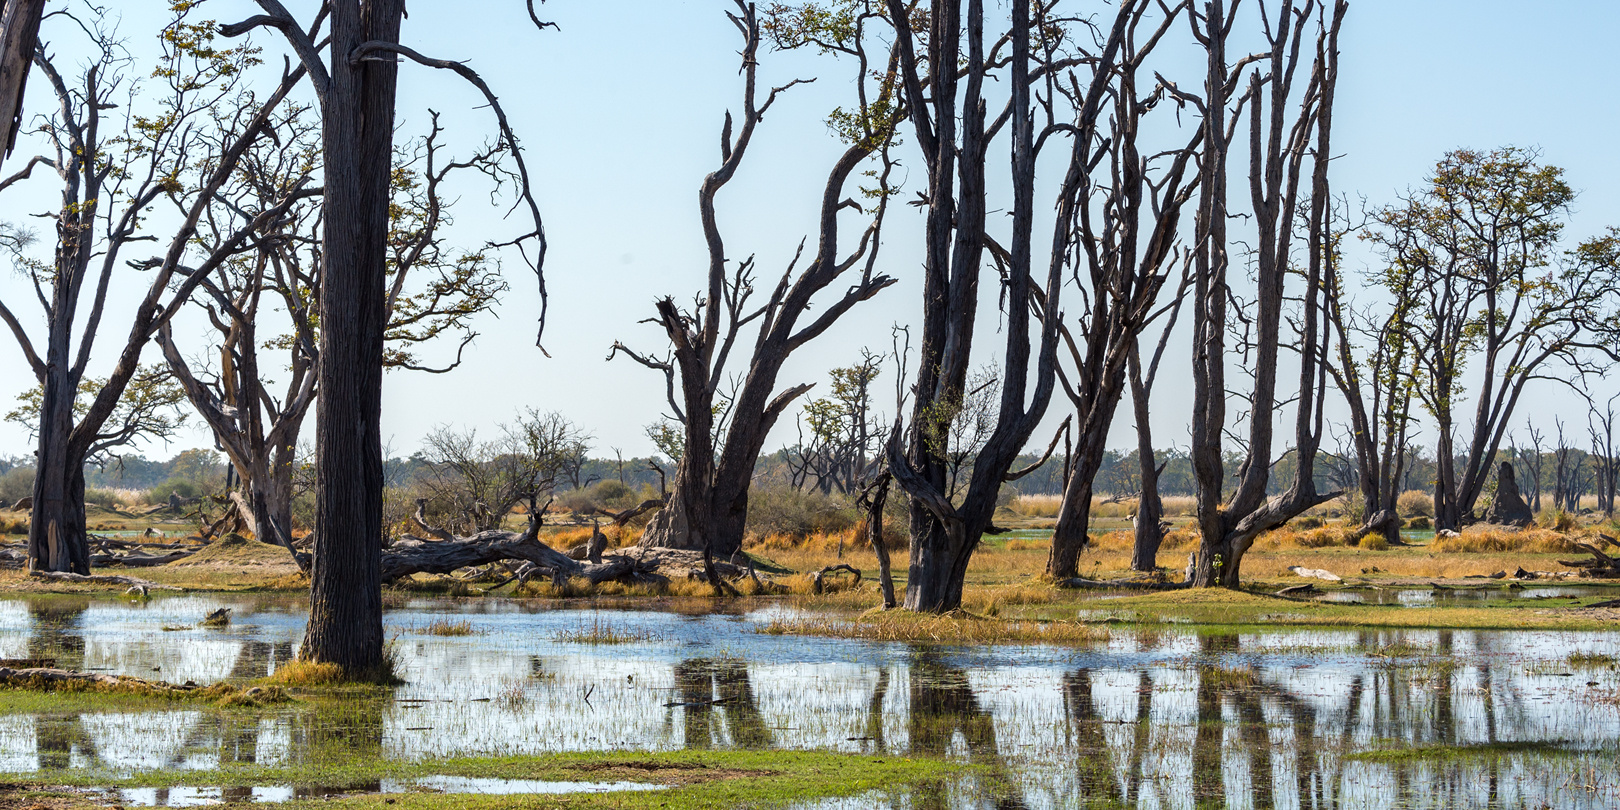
(345, 620)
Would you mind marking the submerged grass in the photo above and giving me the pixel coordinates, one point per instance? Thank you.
(1438, 753)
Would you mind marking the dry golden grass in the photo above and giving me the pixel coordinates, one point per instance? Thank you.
(307, 673)
(1047, 506)
(1289, 537)
(1412, 503)
(1477, 540)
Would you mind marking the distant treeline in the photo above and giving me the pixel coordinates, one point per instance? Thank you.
(1561, 477)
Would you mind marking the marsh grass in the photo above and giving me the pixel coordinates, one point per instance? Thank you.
(958, 627)
(601, 632)
(299, 673)
(446, 627)
(124, 690)
(697, 779)
(1433, 753)
(1589, 660)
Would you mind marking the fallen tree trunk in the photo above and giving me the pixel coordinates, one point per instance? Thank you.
(99, 579)
(137, 560)
(647, 565)
(1601, 566)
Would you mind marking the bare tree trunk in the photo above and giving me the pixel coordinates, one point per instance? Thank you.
(56, 531)
(345, 619)
(19, 38)
(1149, 507)
(708, 507)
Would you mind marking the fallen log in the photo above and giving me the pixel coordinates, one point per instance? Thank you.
(99, 579)
(137, 560)
(817, 580)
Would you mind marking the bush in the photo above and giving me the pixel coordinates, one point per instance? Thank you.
(176, 486)
(1415, 503)
(798, 514)
(1420, 523)
(104, 498)
(1309, 522)
(17, 484)
(611, 494)
(1557, 519)
(1374, 542)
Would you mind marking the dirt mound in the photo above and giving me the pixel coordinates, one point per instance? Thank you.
(234, 550)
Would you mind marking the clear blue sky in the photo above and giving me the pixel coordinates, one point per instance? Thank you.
(620, 112)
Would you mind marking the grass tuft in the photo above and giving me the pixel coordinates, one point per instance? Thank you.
(445, 627)
(600, 632)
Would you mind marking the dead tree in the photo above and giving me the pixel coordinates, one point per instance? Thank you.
(19, 39)
(845, 441)
(1148, 523)
(185, 147)
(1480, 241)
(951, 124)
(476, 484)
(350, 52)
(259, 431)
(1600, 425)
(1126, 239)
(1531, 463)
(725, 431)
(1378, 389)
(1283, 134)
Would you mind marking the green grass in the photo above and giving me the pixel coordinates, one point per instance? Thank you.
(699, 779)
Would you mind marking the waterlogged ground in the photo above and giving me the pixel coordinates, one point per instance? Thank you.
(1163, 718)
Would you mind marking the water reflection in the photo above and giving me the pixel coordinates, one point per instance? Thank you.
(1151, 719)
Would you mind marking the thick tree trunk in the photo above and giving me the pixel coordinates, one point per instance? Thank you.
(56, 531)
(939, 559)
(345, 621)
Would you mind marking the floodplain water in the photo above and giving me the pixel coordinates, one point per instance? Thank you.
(1156, 717)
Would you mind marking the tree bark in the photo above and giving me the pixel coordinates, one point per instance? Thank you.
(345, 620)
(1149, 533)
(19, 38)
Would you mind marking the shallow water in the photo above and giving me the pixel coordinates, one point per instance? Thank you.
(1161, 718)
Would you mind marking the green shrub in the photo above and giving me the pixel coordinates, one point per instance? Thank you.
(1420, 523)
(175, 486)
(794, 513)
(104, 498)
(1309, 522)
(1374, 542)
(17, 484)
